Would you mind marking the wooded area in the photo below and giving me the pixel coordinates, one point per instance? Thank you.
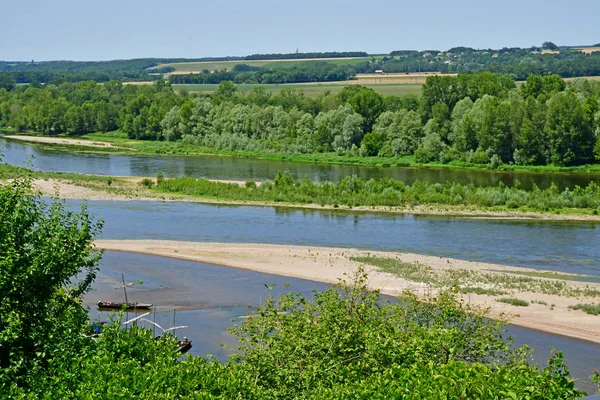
(473, 118)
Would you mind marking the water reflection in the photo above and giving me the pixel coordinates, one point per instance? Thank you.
(231, 168)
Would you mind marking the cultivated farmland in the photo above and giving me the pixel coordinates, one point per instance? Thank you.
(314, 89)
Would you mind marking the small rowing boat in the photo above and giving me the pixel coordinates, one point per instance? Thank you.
(116, 305)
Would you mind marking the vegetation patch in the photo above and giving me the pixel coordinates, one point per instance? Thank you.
(353, 191)
(474, 279)
(480, 290)
(554, 275)
(513, 301)
(592, 309)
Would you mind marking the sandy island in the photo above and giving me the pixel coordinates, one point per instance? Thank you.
(128, 188)
(325, 264)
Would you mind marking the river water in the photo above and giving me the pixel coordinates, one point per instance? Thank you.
(231, 168)
(559, 246)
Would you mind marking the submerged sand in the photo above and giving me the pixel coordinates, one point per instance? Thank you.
(328, 265)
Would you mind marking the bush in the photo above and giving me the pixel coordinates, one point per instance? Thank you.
(160, 179)
(147, 182)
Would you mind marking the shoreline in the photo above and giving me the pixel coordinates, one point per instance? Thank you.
(104, 146)
(327, 265)
(132, 191)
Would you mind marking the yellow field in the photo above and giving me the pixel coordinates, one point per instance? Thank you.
(586, 50)
(589, 78)
(589, 50)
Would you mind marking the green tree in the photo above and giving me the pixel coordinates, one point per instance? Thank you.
(6, 82)
(372, 143)
(226, 89)
(569, 127)
(369, 104)
(47, 262)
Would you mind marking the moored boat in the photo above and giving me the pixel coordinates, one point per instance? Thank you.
(116, 305)
(184, 345)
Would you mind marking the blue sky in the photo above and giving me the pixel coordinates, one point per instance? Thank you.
(110, 29)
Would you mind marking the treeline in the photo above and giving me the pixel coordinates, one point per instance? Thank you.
(518, 63)
(137, 64)
(243, 73)
(477, 118)
(515, 62)
(295, 56)
(78, 76)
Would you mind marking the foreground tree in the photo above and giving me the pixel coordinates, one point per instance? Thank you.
(46, 263)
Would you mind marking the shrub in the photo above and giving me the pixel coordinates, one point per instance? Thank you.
(160, 179)
(514, 302)
(147, 182)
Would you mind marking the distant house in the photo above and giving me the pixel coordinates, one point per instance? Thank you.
(495, 55)
(426, 54)
(379, 71)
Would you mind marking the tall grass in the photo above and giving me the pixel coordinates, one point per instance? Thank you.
(353, 191)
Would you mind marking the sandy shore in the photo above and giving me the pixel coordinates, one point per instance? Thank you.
(64, 141)
(129, 188)
(330, 264)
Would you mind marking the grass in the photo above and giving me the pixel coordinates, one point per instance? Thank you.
(555, 275)
(313, 89)
(474, 281)
(513, 302)
(410, 271)
(592, 309)
(483, 291)
(542, 302)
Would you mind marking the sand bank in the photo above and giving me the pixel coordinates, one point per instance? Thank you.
(129, 188)
(331, 264)
(64, 141)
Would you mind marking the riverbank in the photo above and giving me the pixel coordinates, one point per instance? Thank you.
(83, 187)
(119, 143)
(546, 311)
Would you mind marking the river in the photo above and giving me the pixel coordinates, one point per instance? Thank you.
(233, 168)
(553, 245)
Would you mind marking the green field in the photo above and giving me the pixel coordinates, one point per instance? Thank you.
(311, 90)
(220, 65)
